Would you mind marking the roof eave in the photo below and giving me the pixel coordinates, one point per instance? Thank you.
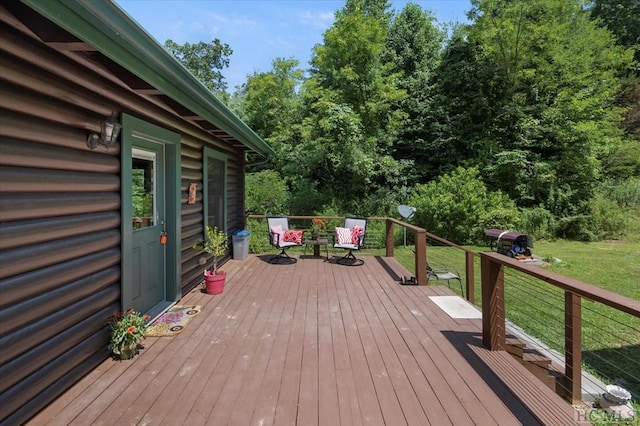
(115, 34)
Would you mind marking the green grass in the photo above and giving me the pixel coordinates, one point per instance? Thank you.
(612, 265)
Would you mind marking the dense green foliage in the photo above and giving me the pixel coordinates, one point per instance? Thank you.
(458, 207)
(205, 60)
(525, 118)
(266, 193)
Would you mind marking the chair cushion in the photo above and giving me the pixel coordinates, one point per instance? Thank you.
(343, 235)
(276, 234)
(356, 232)
(292, 236)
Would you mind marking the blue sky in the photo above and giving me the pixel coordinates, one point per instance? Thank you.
(258, 31)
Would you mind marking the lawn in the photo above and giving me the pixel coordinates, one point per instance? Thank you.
(612, 265)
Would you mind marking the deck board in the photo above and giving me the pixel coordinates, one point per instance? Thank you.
(312, 343)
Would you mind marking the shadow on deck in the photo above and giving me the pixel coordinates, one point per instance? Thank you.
(312, 343)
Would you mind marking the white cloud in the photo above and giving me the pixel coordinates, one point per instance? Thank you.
(317, 19)
(231, 24)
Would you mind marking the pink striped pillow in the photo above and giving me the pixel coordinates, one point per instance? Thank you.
(344, 235)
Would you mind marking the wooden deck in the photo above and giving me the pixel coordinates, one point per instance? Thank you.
(314, 343)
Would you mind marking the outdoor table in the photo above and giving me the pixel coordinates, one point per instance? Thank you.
(316, 246)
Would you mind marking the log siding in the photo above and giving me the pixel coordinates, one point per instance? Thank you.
(60, 206)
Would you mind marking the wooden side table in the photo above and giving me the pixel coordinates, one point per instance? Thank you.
(316, 246)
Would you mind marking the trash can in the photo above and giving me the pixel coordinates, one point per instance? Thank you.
(240, 241)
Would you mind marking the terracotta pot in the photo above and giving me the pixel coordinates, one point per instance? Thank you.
(214, 283)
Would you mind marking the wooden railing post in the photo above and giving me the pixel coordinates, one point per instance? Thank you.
(421, 257)
(493, 318)
(573, 346)
(471, 285)
(389, 239)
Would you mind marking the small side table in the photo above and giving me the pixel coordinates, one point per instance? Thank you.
(316, 246)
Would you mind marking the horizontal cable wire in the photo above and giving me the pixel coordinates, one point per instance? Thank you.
(533, 298)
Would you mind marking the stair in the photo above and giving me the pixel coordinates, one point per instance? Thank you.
(515, 347)
(537, 363)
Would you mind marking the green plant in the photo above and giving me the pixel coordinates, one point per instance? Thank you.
(458, 207)
(266, 192)
(537, 222)
(215, 243)
(127, 329)
(318, 225)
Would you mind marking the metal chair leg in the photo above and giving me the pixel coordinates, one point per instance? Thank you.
(282, 255)
(350, 260)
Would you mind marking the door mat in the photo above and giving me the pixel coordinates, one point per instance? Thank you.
(173, 321)
(457, 307)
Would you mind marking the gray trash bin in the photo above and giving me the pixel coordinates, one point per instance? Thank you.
(240, 241)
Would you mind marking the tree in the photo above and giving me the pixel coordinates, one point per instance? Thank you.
(342, 154)
(271, 103)
(266, 193)
(560, 74)
(204, 60)
(413, 49)
(622, 18)
(349, 67)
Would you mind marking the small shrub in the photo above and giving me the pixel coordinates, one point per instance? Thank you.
(579, 227)
(625, 193)
(610, 220)
(458, 206)
(266, 193)
(537, 222)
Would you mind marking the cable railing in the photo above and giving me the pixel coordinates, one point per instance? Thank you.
(569, 322)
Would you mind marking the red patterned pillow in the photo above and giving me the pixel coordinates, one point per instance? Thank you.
(356, 232)
(292, 236)
(344, 235)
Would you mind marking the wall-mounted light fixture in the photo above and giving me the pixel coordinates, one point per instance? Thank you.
(110, 131)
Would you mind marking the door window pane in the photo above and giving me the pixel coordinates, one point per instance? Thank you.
(143, 185)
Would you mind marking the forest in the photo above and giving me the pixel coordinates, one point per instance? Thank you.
(527, 118)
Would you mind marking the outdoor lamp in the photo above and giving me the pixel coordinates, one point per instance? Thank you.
(110, 131)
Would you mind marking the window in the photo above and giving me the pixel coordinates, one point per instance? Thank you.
(215, 179)
(143, 188)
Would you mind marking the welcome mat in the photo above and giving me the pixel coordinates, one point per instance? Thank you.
(457, 307)
(173, 321)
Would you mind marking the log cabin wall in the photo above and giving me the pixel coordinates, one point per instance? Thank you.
(60, 216)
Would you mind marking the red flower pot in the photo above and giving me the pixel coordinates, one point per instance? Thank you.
(214, 283)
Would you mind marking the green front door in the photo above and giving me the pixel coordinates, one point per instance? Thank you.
(151, 207)
(148, 202)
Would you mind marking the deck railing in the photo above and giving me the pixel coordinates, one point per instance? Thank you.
(494, 319)
(492, 267)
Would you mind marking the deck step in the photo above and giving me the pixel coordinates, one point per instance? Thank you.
(532, 356)
(542, 374)
(536, 363)
(547, 405)
(515, 347)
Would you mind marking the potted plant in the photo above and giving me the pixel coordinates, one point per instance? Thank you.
(127, 330)
(215, 243)
(318, 226)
